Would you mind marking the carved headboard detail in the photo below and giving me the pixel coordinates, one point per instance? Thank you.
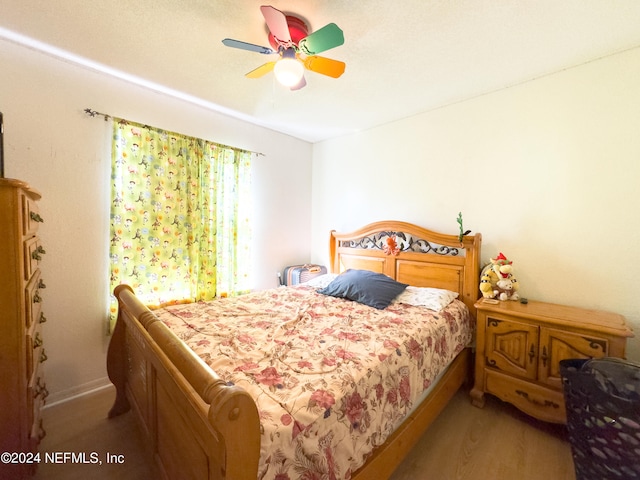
(413, 255)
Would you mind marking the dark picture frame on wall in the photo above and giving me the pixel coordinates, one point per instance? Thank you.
(1, 147)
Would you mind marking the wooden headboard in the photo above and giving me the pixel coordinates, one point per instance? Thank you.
(413, 255)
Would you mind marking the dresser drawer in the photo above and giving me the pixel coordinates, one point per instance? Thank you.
(36, 398)
(36, 354)
(33, 252)
(536, 400)
(31, 218)
(33, 300)
(37, 432)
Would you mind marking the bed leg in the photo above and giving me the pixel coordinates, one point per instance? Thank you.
(117, 369)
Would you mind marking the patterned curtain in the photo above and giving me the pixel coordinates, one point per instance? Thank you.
(180, 216)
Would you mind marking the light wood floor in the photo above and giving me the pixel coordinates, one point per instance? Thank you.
(81, 426)
(497, 442)
(464, 443)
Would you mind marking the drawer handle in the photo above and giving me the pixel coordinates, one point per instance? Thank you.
(532, 354)
(41, 284)
(35, 217)
(43, 356)
(42, 433)
(37, 342)
(536, 402)
(37, 253)
(544, 356)
(36, 297)
(41, 390)
(42, 318)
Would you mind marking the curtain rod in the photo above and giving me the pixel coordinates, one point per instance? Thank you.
(94, 113)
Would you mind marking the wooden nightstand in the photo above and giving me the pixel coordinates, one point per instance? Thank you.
(519, 347)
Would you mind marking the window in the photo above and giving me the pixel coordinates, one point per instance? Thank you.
(180, 216)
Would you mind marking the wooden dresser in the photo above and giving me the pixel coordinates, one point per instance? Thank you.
(22, 386)
(519, 348)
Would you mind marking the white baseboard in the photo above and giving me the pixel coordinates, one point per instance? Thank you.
(78, 391)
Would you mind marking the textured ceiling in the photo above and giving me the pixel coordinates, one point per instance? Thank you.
(403, 57)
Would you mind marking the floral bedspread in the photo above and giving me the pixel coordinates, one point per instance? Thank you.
(331, 378)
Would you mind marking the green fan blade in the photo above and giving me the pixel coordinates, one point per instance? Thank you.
(261, 70)
(329, 36)
(325, 66)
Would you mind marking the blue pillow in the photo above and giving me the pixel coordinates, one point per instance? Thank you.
(373, 289)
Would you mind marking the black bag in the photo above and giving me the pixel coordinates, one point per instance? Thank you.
(602, 397)
(295, 274)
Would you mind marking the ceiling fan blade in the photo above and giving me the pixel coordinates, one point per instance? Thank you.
(301, 84)
(261, 70)
(329, 36)
(229, 42)
(277, 23)
(325, 66)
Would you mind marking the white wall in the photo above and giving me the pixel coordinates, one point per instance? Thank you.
(547, 171)
(50, 143)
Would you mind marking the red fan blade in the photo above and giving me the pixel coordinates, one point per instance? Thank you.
(277, 23)
(325, 66)
(261, 70)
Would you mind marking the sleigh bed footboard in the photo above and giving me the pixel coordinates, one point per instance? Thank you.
(196, 426)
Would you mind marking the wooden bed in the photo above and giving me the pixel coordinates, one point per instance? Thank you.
(198, 427)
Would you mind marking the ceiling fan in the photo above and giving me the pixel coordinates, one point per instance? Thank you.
(289, 38)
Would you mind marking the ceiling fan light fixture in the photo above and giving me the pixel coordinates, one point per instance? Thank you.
(297, 48)
(288, 70)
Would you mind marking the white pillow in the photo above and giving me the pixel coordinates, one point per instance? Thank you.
(321, 281)
(432, 298)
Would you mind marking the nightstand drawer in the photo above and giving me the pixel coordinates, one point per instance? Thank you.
(540, 402)
(511, 347)
(560, 345)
